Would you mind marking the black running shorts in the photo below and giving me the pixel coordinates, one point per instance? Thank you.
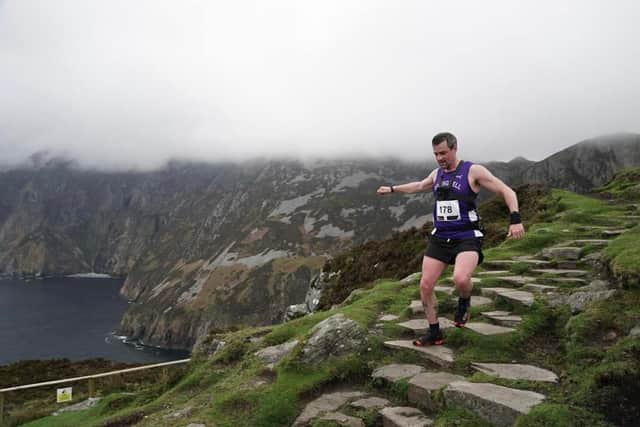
(446, 250)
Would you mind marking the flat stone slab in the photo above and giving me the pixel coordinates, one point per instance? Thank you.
(324, 404)
(534, 287)
(504, 318)
(477, 300)
(516, 371)
(612, 233)
(514, 295)
(492, 272)
(438, 354)
(517, 280)
(371, 403)
(404, 416)
(570, 253)
(561, 272)
(577, 280)
(416, 307)
(388, 318)
(449, 290)
(421, 326)
(422, 385)
(412, 277)
(487, 328)
(396, 372)
(499, 405)
(584, 242)
(343, 419)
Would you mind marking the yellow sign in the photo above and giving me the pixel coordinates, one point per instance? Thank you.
(64, 395)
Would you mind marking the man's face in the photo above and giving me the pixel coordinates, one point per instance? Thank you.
(445, 156)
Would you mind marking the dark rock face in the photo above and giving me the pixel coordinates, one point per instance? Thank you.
(209, 246)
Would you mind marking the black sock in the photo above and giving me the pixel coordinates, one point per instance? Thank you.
(464, 301)
(434, 327)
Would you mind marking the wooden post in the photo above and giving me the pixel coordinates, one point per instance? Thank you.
(92, 387)
(1, 408)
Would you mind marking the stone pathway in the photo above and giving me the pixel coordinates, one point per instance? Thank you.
(430, 389)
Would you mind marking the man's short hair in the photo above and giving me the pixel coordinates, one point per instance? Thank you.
(447, 137)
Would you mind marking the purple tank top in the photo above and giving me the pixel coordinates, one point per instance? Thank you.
(454, 212)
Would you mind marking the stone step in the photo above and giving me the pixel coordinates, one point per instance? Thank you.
(388, 318)
(478, 301)
(534, 287)
(438, 354)
(585, 242)
(514, 295)
(449, 290)
(343, 420)
(371, 403)
(502, 263)
(329, 402)
(423, 385)
(570, 253)
(492, 272)
(516, 280)
(561, 272)
(499, 405)
(613, 233)
(416, 307)
(487, 328)
(572, 280)
(404, 416)
(516, 371)
(421, 326)
(396, 372)
(412, 277)
(504, 318)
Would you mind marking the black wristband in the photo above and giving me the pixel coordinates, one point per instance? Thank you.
(515, 218)
(391, 187)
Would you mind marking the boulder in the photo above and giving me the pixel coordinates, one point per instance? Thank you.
(274, 354)
(423, 385)
(295, 311)
(334, 336)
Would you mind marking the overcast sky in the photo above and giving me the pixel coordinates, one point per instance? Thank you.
(134, 83)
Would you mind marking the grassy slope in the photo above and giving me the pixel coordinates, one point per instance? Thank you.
(599, 374)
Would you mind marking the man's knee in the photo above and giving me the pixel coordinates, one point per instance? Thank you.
(461, 278)
(427, 285)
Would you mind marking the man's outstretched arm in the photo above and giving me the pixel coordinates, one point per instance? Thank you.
(411, 187)
(486, 179)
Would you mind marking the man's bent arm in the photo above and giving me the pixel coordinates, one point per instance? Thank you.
(411, 187)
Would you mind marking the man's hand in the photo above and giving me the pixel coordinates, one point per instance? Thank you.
(516, 231)
(385, 189)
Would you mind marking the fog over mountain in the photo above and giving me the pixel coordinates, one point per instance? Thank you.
(133, 84)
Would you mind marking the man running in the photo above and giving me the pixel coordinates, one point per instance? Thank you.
(456, 237)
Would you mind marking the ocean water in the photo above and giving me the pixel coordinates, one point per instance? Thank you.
(73, 318)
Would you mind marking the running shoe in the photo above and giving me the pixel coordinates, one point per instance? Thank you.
(432, 338)
(462, 312)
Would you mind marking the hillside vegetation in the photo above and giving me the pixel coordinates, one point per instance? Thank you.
(594, 351)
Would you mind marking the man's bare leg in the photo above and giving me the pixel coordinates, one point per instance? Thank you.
(466, 263)
(431, 271)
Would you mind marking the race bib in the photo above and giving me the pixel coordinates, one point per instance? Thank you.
(448, 210)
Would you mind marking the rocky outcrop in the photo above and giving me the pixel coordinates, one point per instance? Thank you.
(334, 336)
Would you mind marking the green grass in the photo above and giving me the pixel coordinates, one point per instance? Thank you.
(623, 254)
